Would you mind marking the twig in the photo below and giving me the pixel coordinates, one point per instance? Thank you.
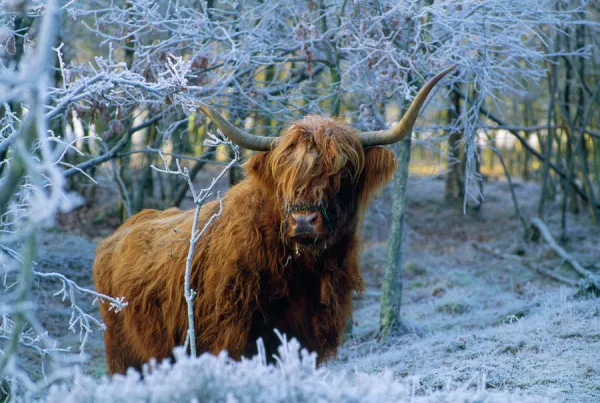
(539, 224)
(21, 296)
(179, 156)
(195, 169)
(116, 304)
(529, 129)
(113, 152)
(511, 187)
(199, 198)
(525, 263)
(528, 147)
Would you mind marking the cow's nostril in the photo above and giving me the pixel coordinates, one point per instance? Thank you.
(304, 222)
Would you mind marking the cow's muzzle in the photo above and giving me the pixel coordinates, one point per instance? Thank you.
(306, 222)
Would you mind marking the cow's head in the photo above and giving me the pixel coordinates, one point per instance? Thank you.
(322, 171)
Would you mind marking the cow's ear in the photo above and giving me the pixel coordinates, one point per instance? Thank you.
(380, 165)
(258, 167)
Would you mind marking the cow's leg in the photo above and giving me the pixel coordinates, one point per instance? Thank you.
(329, 324)
(119, 356)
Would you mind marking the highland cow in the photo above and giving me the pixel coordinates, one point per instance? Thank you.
(283, 254)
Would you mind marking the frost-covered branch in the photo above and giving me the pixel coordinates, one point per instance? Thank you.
(113, 151)
(78, 315)
(199, 199)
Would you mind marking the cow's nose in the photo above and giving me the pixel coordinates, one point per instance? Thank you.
(305, 222)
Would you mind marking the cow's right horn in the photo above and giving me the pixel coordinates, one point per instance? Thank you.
(239, 137)
(404, 127)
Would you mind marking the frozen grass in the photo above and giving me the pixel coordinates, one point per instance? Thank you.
(550, 349)
(472, 316)
(295, 378)
(480, 328)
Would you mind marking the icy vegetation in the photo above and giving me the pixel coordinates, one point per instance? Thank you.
(550, 351)
(548, 356)
(478, 328)
(295, 378)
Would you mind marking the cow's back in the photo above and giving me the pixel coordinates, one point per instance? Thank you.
(106, 264)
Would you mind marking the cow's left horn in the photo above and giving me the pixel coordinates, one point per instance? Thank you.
(239, 137)
(404, 127)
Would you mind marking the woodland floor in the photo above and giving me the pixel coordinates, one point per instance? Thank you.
(473, 319)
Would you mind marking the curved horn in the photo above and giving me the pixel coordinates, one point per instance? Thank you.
(404, 127)
(239, 137)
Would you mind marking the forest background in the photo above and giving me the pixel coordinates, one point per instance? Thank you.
(95, 95)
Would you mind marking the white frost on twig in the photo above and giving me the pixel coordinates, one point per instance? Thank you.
(199, 199)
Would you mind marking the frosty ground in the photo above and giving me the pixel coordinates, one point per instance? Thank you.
(480, 326)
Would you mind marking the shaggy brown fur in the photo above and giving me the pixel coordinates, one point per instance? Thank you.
(250, 277)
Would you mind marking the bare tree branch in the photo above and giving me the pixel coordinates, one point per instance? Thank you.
(528, 147)
(113, 151)
(588, 275)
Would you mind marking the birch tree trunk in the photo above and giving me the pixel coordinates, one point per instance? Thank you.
(391, 293)
(391, 289)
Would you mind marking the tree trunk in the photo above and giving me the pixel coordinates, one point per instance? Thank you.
(553, 86)
(569, 160)
(581, 121)
(596, 144)
(147, 184)
(454, 191)
(391, 293)
(528, 120)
